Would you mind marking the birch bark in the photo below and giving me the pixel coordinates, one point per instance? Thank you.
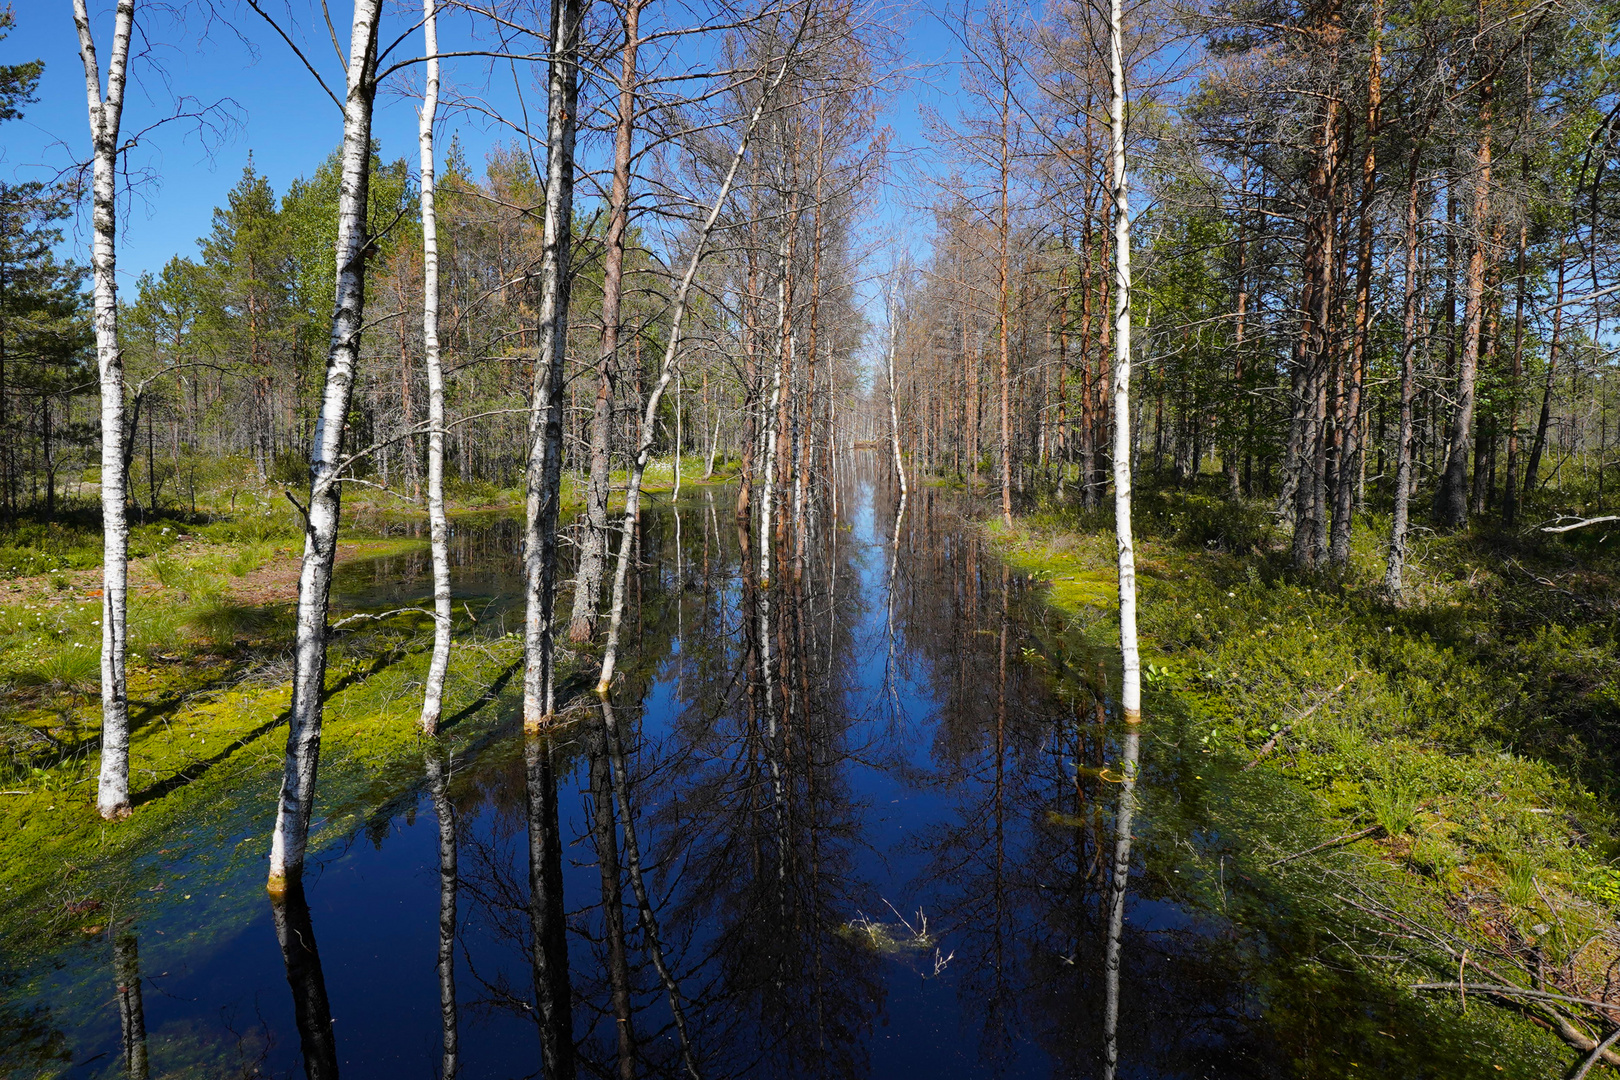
(320, 534)
(438, 526)
(894, 412)
(544, 473)
(105, 113)
(1130, 694)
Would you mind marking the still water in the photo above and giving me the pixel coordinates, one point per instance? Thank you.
(861, 823)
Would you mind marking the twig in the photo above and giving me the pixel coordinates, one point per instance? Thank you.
(1271, 743)
(1597, 1052)
(1335, 842)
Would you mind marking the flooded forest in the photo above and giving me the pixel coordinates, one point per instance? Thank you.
(767, 538)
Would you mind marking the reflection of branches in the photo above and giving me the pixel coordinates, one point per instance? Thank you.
(889, 689)
(632, 858)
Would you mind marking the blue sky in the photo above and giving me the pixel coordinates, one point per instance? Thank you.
(276, 111)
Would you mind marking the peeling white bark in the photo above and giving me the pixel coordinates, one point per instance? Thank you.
(320, 535)
(1130, 694)
(433, 694)
(544, 472)
(105, 113)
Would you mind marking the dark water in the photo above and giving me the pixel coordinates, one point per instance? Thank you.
(859, 824)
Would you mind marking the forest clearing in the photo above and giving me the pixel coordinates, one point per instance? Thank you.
(793, 537)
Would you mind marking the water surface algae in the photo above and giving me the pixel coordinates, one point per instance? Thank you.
(209, 728)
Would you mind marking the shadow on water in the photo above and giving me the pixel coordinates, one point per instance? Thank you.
(878, 819)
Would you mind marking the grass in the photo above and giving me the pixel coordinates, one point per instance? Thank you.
(1463, 742)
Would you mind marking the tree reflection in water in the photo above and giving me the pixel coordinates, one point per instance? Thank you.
(311, 1011)
(875, 817)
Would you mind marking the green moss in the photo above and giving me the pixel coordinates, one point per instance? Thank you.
(1467, 730)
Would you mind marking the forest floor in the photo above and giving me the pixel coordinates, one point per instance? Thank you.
(1452, 759)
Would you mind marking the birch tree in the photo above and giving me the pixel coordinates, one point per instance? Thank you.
(1130, 693)
(433, 695)
(106, 113)
(543, 476)
(321, 514)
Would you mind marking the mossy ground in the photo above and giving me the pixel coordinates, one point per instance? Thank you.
(1464, 740)
(209, 675)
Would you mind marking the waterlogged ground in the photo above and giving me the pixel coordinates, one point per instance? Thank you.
(860, 823)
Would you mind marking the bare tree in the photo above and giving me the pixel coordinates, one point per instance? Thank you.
(106, 113)
(433, 694)
(543, 479)
(321, 515)
(677, 317)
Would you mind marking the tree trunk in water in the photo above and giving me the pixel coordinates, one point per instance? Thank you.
(593, 550)
(112, 794)
(894, 413)
(438, 525)
(320, 533)
(1451, 503)
(1130, 695)
(1113, 957)
(543, 479)
(554, 999)
(131, 1009)
(607, 856)
(312, 1011)
(438, 776)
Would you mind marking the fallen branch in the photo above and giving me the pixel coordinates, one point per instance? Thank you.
(1271, 743)
(1579, 523)
(363, 616)
(1335, 842)
(1500, 990)
(1601, 1050)
(1544, 1000)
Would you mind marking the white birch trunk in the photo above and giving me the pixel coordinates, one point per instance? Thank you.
(1130, 694)
(767, 502)
(320, 534)
(544, 473)
(894, 412)
(433, 694)
(632, 501)
(112, 795)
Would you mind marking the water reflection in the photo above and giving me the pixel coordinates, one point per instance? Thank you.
(879, 818)
(131, 1009)
(312, 1013)
(438, 770)
(553, 994)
